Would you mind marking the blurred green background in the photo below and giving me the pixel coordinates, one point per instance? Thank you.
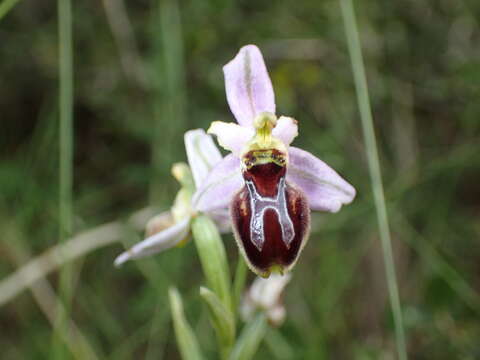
(147, 71)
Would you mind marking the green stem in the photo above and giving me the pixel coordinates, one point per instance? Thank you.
(66, 116)
(358, 70)
(239, 282)
(65, 148)
(186, 339)
(222, 319)
(213, 258)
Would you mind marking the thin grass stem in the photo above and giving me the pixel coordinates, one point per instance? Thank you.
(169, 91)
(358, 69)
(65, 154)
(66, 118)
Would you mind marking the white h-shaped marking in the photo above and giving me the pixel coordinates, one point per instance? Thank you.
(258, 206)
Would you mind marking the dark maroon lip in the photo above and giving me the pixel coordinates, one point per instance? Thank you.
(266, 178)
(270, 218)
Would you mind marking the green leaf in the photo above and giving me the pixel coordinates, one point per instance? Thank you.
(213, 258)
(222, 320)
(250, 339)
(186, 339)
(239, 281)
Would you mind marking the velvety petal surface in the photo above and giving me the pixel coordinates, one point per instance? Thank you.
(158, 242)
(219, 187)
(202, 154)
(323, 187)
(231, 136)
(286, 129)
(248, 86)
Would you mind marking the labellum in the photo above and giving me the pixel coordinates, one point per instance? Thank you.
(270, 216)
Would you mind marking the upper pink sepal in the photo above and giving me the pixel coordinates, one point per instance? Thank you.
(248, 86)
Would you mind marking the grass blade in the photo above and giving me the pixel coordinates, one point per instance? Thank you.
(358, 69)
(222, 319)
(65, 155)
(186, 339)
(250, 338)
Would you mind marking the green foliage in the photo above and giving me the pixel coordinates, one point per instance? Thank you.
(249, 340)
(223, 320)
(213, 258)
(187, 341)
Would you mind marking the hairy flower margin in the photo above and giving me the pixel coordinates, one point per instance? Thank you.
(266, 186)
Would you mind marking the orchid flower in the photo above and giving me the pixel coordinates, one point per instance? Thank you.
(171, 229)
(268, 185)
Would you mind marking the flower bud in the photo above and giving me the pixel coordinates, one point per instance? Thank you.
(266, 295)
